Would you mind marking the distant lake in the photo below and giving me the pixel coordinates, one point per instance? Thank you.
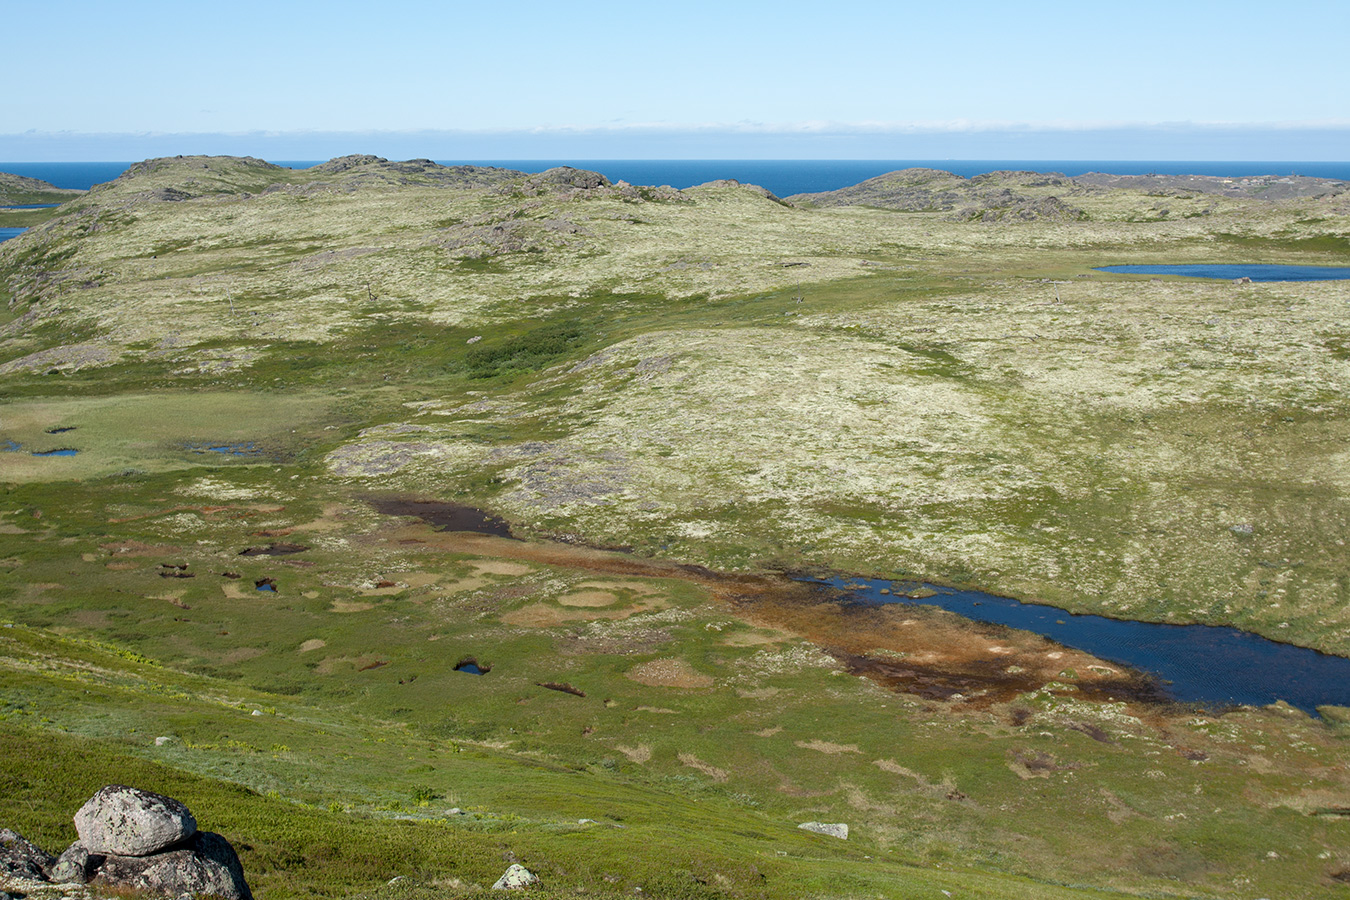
(1254, 271)
(782, 176)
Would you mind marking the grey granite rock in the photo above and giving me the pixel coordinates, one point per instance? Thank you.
(126, 821)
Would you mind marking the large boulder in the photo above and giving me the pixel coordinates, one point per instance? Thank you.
(206, 864)
(21, 857)
(126, 821)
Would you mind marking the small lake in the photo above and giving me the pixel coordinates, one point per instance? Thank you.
(1254, 271)
(1205, 664)
(7, 233)
(32, 206)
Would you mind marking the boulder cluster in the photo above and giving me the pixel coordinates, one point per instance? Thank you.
(133, 839)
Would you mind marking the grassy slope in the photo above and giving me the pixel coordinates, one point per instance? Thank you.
(640, 372)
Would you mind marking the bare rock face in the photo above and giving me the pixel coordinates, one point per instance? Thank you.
(21, 857)
(125, 821)
(206, 864)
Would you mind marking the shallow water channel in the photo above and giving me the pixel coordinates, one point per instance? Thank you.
(1254, 271)
(1206, 664)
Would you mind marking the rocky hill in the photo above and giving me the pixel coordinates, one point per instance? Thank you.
(19, 190)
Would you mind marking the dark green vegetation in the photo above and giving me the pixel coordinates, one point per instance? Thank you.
(708, 377)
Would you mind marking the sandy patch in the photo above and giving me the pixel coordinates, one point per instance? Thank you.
(310, 595)
(693, 762)
(656, 709)
(233, 591)
(670, 672)
(828, 747)
(639, 754)
(589, 599)
(350, 606)
(420, 579)
(313, 644)
(769, 732)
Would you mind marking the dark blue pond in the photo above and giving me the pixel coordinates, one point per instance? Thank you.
(7, 233)
(1254, 271)
(1203, 664)
(32, 206)
(64, 451)
(9, 446)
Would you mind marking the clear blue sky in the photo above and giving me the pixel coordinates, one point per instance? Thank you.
(546, 76)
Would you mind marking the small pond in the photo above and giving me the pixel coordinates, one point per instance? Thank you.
(1254, 271)
(1203, 664)
(9, 446)
(6, 233)
(63, 451)
(240, 448)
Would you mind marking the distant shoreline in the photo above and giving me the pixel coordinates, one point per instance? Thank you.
(782, 177)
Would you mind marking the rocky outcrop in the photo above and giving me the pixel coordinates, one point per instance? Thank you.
(133, 840)
(206, 864)
(832, 829)
(21, 857)
(125, 821)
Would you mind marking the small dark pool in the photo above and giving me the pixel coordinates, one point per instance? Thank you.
(1204, 664)
(64, 451)
(1254, 271)
(242, 448)
(471, 666)
(10, 446)
(7, 233)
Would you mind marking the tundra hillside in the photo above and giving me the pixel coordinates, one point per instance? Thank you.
(263, 378)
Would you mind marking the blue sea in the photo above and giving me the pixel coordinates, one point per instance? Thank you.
(782, 176)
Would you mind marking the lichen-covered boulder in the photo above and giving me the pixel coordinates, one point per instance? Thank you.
(515, 878)
(206, 864)
(23, 858)
(126, 821)
(75, 865)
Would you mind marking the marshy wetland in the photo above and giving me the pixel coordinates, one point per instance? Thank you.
(348, 434)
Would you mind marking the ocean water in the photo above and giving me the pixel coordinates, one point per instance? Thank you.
(782, 176)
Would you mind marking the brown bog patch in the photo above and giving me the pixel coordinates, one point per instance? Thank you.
(350, 606)
(501, 567)
(313, 644)
(670, 672)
